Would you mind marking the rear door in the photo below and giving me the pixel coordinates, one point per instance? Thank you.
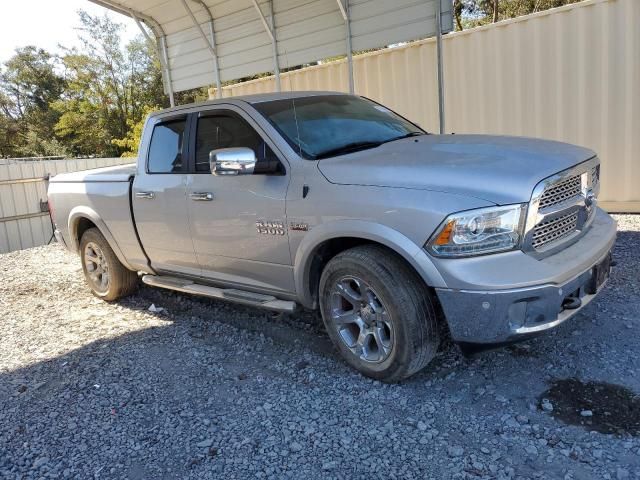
(160, 201)
(240, 232)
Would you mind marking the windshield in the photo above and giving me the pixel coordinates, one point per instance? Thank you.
(329, 125)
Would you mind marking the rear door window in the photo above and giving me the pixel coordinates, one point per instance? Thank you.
(166, 148)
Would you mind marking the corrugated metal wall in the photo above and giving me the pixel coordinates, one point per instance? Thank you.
(570, 74)
(23, 187)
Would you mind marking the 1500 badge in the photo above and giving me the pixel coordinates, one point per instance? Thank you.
(270, 228)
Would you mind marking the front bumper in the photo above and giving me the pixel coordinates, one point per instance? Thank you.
(484, 315)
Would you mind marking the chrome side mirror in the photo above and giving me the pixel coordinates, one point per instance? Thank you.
(232, 161)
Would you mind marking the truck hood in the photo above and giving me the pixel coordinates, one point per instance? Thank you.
(501, 170)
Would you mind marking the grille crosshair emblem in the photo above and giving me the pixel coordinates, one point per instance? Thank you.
(590, 199)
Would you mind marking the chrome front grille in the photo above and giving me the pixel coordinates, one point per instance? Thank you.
(561, 191)
(555, 229)
(561, 208)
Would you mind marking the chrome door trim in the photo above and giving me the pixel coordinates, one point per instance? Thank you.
(201, 196)
(147, 195)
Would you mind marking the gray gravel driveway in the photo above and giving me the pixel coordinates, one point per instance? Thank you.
(203, 389)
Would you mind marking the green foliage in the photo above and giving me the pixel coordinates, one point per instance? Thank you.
(9, 130)
(29, 83)
(35, 145)
(29, 78)
(131, 141)
(82, 127)
(109, 88)
(78, 103)
(473, 13)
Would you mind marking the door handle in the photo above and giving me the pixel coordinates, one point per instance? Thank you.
(147, 195)
(201, 196)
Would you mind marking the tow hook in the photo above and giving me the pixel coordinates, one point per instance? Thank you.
(571, 303)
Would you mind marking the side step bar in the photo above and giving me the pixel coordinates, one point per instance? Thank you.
(258, 300)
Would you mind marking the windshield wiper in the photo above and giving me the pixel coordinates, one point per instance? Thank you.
(410, 134)
(348, 148)
(357, 146)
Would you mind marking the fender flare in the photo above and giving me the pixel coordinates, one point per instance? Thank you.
(78, 213)
(375, 232)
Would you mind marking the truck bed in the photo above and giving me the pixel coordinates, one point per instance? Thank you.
(119, 173)
(102, 195)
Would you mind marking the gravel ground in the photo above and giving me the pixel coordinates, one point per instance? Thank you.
(211, 390)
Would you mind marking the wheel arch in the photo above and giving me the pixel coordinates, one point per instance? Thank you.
(83, 218)
(327, 240)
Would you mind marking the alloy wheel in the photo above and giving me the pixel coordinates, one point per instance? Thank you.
(361, 319)
(97, 266)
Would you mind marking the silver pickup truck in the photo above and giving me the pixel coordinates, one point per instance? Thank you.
(332, 201)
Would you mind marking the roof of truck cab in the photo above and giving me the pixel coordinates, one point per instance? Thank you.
(251, 99)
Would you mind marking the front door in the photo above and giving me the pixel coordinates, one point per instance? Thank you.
(160, 201)
(238, 222)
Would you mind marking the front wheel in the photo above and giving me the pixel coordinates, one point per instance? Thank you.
(106, 276)
(378, 313)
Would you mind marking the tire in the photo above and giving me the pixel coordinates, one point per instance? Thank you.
(107, 278)
(378, 313)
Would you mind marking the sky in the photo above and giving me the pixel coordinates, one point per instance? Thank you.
(47, 23)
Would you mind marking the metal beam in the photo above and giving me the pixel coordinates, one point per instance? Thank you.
(164, 60)
(23, 180)
(264, 20)
(165, 55)
(216, 67)
(116, 7)
(142, 29)
(199, 28)
(274, 46)
(440, 67)
(344, 10)
(23, 217)
(270, 28)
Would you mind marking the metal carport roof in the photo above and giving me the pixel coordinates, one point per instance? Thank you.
(204, 42)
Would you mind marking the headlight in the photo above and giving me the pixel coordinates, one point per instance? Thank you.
(476, 232)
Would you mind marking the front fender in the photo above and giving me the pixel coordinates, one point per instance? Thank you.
(375, 232)
(78, 213)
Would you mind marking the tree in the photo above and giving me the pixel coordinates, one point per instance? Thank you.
(131, 141)
(91, 100)
(471, 13)
(9, 130)
(463, 9)
(29, 83)
(30, 80)
(516, 8)
(110, 87)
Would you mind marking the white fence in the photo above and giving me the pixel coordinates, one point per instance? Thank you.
(24, 220)
(569, 74)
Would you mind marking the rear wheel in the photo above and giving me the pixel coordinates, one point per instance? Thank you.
(106, 276)
(378, 313)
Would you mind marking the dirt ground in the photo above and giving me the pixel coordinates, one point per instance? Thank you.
(204, 389)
